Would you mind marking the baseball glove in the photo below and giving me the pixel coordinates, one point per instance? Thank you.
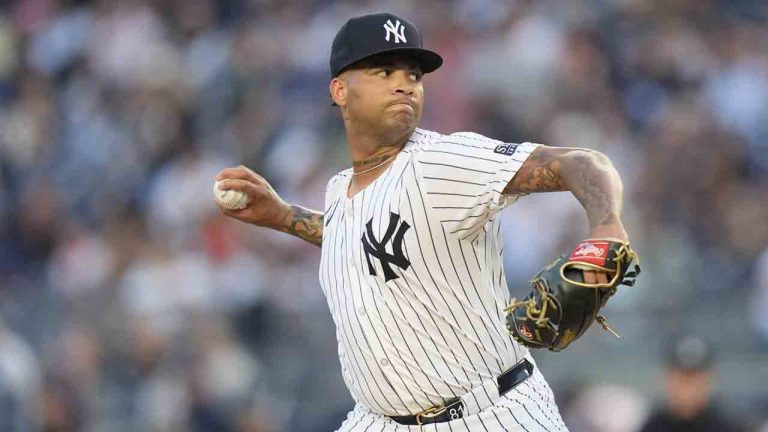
(561, 306)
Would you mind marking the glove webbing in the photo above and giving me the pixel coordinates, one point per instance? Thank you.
(539, 316)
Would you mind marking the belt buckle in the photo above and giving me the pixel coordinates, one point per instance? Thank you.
(430, 413)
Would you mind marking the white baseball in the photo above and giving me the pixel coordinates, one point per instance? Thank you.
(229, 199)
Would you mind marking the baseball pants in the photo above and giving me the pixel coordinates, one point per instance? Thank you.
(529, 407)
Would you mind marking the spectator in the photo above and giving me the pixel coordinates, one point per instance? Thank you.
(20, 383)
(688, 389)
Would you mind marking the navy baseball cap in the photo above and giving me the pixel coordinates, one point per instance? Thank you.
(689, 353)
(367, 35)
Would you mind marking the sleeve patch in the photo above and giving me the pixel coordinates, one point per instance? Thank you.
(505, 149)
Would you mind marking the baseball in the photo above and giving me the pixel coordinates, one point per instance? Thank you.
(229, 199)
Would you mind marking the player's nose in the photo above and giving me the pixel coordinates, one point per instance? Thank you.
(403, 83)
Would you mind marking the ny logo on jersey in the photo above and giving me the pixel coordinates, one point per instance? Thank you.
(396, 29)
(376, 248)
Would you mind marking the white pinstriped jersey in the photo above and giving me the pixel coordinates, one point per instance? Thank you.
(412, 270)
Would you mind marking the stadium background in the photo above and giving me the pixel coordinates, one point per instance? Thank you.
(129, 304)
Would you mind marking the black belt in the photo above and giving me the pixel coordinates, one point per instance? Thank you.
(453, 409)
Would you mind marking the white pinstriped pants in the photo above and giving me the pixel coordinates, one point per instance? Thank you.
(529, 407)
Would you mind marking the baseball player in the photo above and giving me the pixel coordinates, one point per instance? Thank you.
(412, 249)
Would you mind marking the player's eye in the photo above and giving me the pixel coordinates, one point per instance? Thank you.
(383, 73)
(416, 76)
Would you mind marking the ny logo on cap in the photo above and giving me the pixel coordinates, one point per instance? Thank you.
(394, 29)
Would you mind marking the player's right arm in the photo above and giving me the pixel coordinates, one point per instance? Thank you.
(266, 208)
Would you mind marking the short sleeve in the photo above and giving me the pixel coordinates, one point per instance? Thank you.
(335, 191)
(463, 177)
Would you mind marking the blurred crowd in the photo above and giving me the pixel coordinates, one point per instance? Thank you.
(128, 303)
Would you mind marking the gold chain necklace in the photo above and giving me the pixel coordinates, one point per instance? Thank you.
(377, 166)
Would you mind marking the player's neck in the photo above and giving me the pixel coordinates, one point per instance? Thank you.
(371, 156)
(368, 150)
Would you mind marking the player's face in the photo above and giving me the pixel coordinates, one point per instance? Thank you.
(384, 93)
(688, 391)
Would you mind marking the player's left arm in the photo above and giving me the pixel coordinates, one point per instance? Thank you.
(589, 175)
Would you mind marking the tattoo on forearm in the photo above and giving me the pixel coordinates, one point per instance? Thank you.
(589, 175)
(306, 224)
(595, 183)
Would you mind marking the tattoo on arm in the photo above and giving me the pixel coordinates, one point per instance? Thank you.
(540, 173)
(595, 183)
(589, 175)
(305, 224)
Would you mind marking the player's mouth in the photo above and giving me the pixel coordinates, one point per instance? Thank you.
(403, 104)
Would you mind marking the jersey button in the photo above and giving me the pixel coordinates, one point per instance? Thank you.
(361, 311)
(384, 362)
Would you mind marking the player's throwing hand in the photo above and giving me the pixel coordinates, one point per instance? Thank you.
(265, 207)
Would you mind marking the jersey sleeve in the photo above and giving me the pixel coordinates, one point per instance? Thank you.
(463, 176)
(335, 191)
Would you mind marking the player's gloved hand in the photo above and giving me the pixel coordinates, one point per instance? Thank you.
(265, 207)
(563, 304)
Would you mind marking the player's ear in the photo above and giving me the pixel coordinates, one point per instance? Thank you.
(338, 89)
